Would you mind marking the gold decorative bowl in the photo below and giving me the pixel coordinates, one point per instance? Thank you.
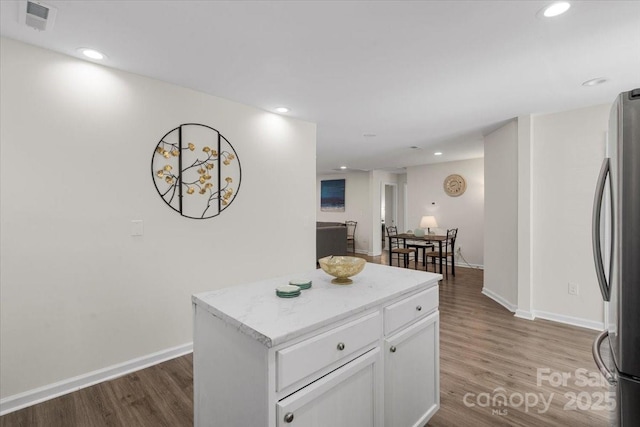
(342, 267)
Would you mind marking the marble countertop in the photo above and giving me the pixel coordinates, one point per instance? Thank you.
(255, 309)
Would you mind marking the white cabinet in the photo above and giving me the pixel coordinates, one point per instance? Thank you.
(409, 309)
(346, 397)
(359, 356)
(331, 378)
(336, 346)
(411, 371)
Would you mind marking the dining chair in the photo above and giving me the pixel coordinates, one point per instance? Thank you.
(399, 249)
(351, 234)
(448, 251)
(421, 245)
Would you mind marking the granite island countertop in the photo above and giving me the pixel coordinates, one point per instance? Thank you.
(255, 310)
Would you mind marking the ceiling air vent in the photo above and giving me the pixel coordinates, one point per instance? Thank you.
(37, 15)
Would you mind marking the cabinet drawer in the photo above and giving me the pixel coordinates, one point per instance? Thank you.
(303, 359)
(410, 309)
(346, 397)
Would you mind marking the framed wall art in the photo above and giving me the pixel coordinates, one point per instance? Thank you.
(332, 195)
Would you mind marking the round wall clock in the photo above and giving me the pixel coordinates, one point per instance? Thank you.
(455, 185)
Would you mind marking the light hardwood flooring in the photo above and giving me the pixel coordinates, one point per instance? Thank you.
(484, 350)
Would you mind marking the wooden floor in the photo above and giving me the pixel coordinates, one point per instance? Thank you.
(485, 351)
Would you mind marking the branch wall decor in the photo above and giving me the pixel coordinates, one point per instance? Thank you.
(196, 171)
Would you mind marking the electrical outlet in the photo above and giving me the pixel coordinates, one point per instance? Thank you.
(573, 288)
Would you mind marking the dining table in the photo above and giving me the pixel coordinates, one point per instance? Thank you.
(429, 238)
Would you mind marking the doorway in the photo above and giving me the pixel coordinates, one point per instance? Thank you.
(388, 208)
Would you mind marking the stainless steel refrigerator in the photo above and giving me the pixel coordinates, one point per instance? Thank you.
(616, 250)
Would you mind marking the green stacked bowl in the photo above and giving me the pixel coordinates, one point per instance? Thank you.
(301, 283)
(288, 291)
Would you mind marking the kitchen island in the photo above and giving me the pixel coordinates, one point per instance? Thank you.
(364, 354)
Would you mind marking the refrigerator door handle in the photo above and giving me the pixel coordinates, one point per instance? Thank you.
(595, 350)
(595, 230)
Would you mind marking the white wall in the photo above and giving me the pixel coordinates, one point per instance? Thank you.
(402, 185)
(363, 204)
(356, 205)
(377, 181)
(558, 158)
(79, 293)
(568, 149)
(525, 227)
(427, 197)
(501, 214)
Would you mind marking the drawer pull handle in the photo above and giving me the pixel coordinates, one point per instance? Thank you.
(419, 308)
(288, 417)
(341, 346)
(392, 349)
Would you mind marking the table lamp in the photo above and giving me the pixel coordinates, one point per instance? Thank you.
(428, 222)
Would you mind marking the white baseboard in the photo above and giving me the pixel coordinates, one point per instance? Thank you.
(560, 318)
(465, 265)
(532, 315)
(575, 321)
(500, 300)
(50, 391)
(524, 314)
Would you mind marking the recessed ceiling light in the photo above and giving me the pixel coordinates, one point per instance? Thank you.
(437, 153)
(369, 135)
(343, 167)
(594, 82)
(555, 9)
(91, 53)
(282, 110)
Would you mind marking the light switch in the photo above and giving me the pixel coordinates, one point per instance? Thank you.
(136, 227)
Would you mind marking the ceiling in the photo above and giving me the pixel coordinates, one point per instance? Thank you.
(433, 75)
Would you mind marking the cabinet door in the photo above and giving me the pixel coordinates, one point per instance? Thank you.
(346, 397)
(411, 374)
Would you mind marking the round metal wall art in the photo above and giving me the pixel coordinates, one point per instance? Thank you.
(196, 171)
(455, 185)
